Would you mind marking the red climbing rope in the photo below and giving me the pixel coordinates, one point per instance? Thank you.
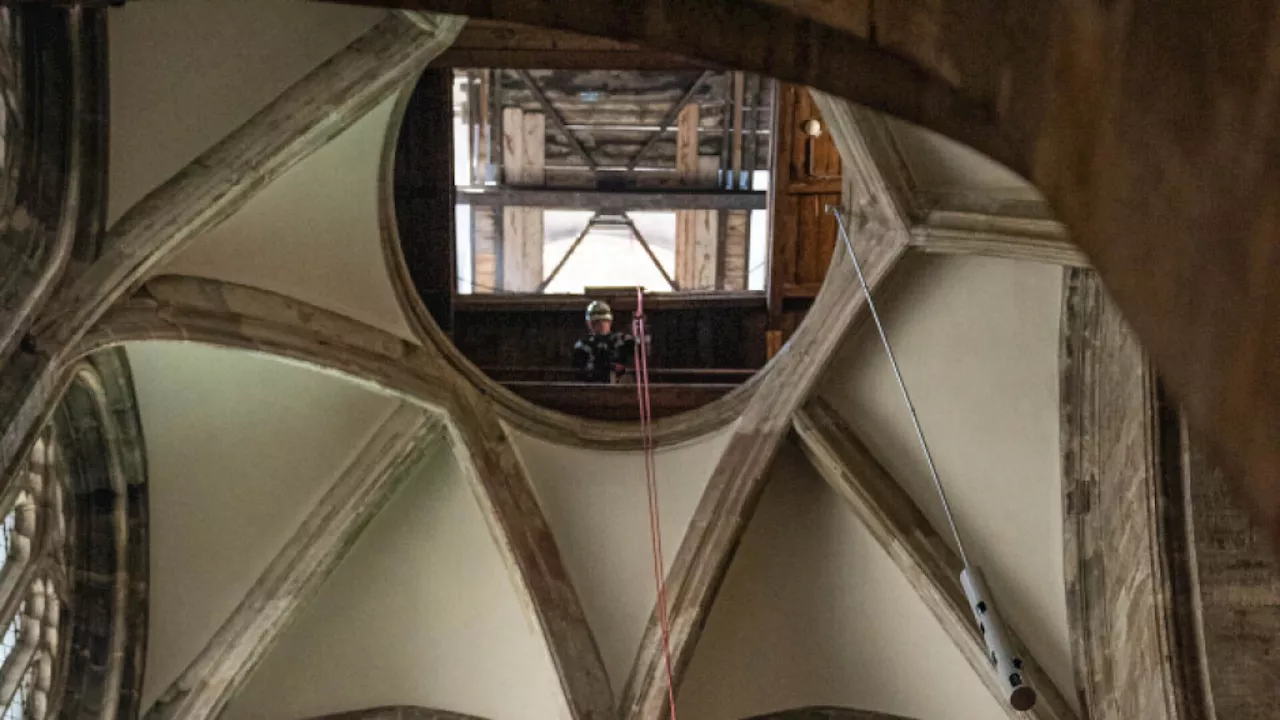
(651, 482)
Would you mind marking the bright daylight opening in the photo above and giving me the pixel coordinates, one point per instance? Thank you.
(569, 181)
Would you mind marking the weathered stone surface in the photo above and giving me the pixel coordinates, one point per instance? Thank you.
(240, 317)
(1238, 579)
(361, 490)
(89, 547)
(52, 155)
(1134, 651)
(486, 454)
(926, 560)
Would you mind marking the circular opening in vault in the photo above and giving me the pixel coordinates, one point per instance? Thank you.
(524, 194)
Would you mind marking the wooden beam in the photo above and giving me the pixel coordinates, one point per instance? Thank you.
(736, 247)
(387, 460)
(924, 557)
(524, 137)
(614, 200)
(697, 231)
(669, 119)
(1123, 527)
(738, 479)
(554, 115)
(218, 183)
(495, 44)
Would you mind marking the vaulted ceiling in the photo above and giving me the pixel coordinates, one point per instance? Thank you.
(500, 569)
(421, 612)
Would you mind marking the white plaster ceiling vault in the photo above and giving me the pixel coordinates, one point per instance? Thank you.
(423, 611)
(239, 447)
(185, 73)
(938, 165)
(596, 504)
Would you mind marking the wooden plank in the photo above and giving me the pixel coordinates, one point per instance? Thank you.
(782, 204)
(485, 226)
(513, 156)
(385, 462)
(924, 557)
(687, 144)
(1128, 639)
(736, 244)
(461, 57)
(697, 231)
(735, 164)
(523, 142)
(513, 240)
(534, 163)
(620, 302)
(616, 201)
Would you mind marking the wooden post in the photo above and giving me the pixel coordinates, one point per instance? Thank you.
(524, 145)
(734, 258)
(696, 230)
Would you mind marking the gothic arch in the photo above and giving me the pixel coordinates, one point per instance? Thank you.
(74, 584)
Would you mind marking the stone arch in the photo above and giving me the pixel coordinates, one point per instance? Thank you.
(82, 590)
(1152, 128)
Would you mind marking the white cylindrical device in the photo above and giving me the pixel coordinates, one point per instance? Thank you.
(1006, 665)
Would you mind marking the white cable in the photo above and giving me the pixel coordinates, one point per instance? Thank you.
(1004, 660)
(897, 373)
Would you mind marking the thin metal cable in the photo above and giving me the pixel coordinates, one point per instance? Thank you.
(897, 373)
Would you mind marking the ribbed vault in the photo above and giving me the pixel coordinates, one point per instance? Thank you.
(178, 266)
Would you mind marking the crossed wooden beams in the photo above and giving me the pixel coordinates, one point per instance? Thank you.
(115, 302)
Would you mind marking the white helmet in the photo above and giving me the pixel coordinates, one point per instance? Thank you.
(599, 310)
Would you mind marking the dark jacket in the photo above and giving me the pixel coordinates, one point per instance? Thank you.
(600, 358)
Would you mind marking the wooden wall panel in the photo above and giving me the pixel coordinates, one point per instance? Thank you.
(424, 189)
(505, 339)
(806, 178)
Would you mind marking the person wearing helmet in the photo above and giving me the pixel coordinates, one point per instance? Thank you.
(602, 355)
